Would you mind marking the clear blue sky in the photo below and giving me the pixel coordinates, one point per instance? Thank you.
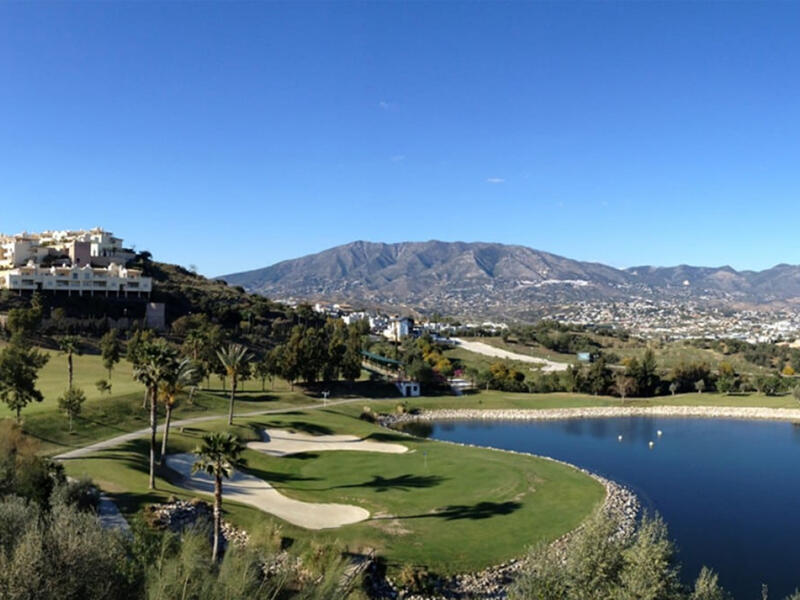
(234, 135)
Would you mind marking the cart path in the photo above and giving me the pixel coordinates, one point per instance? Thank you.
(127, 437)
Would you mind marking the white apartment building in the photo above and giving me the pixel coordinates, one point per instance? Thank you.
(113, 280)
(93, 246)
(70, 262)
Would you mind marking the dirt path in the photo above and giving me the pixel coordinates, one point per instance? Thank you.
(487, 350)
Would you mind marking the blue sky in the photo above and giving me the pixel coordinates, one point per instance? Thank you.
(234, 135)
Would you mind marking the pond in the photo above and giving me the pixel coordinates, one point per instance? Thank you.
(729, 490)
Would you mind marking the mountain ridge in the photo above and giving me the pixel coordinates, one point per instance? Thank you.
(500, 279)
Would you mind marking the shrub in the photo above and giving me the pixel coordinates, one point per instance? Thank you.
(80, 493)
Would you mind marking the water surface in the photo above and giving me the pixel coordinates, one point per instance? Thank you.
(729, 490)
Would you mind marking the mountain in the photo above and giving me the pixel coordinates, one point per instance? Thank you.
(497, 279)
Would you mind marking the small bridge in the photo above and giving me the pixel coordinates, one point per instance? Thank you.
(381, 365)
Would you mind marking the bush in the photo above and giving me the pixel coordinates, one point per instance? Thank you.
(80, 493)
(599, 563)
(368, 416)
(61, 554)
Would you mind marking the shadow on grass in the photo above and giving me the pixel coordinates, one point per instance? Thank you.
(403, 483)
(455, 512)
(277, 479)
(310, 428)
(393, 437)
(78, 420)
(301, 456)
(357, 389)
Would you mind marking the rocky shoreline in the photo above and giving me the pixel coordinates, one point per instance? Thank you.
(590, 412)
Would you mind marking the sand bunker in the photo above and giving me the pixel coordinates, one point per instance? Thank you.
(278, 442)
(247, 489)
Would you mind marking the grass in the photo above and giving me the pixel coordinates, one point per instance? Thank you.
(110, 417)
(668, 355)
(433, 506)
(672, 354)
(88, 369)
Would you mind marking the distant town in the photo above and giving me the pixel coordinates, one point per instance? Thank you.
(644, 318)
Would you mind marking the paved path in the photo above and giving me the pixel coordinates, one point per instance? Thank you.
(110, 516)
(279, 442)
(127, 437)
(247, 489)
(487, 350)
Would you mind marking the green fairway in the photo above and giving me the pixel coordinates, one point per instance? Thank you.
(88, 369)
(448, 507)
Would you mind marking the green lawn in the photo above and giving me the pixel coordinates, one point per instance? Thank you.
(88, 369)
(110, 417)
(672, 354)
(453, 510)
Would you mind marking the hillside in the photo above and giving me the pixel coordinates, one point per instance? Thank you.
(498, 279)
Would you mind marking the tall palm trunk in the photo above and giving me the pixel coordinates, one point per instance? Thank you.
(233, 398)
(192, 391)
(69, 369)
(217, 515)
(165, 437)
(153, 420)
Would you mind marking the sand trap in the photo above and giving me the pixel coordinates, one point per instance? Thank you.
(278, 442)
(247, 489)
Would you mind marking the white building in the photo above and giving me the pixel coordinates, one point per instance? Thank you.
(355, 318)
(93, 246)
(113, 280)
(398, 328)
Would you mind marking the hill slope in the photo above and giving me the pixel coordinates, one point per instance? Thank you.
(490, 278)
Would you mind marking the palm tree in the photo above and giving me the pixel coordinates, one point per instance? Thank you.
(185, 374)
(235, 359)
(154, 362)
(69, 345)
(219, 455)
(194, 342)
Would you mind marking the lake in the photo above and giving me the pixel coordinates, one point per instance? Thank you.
(729, 490)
